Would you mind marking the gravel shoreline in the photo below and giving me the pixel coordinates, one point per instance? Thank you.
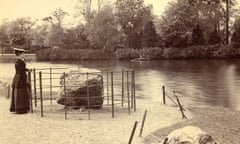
(223, 124)
(101, 128)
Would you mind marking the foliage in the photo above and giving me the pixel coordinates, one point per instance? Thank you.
(182, 16)
(126, 54)
(177, 23)
(149, 36)
(197, 36)
(74, 38)
(152, 52)
(83, 8)
(214, 37)
(103, 31)
(19, 33)
(59, 15)
(73, 54)
(39, 35)
(55, 36)
(132, 16)
(4, 41)
(236, 34)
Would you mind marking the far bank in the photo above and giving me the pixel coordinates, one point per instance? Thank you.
(153, 53)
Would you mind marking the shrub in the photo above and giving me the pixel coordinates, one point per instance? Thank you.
(126, 54)
(71, 54)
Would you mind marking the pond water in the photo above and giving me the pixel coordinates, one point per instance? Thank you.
(198, 82)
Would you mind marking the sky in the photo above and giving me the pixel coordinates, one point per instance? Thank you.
(38, 9)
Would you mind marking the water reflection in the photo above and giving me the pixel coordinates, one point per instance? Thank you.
(206, 82)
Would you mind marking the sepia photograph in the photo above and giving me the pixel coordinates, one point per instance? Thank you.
(120, 72)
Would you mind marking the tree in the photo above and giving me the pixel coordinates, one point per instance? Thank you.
(103, 31)
(56, 32)
(74, 38)
(214, 37)
(177, 23)
(59, 15)
(229, 4)
(19, 33)
(4, 41)
(55, 35)
(84, 9)
(197, 36)
(132, 16)
(181, 17)
(39, 34)
(149, 35)
(236, 34)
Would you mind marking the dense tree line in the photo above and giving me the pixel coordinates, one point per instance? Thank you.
(128, 24)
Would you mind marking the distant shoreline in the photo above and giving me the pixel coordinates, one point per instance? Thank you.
(12, 57)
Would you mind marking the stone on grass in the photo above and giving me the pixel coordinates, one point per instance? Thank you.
(189, 135)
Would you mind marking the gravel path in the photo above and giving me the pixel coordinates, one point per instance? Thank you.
(101, 129)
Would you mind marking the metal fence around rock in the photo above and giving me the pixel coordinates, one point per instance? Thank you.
(117, 94)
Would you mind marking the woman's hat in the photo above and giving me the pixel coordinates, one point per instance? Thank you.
(19, 49)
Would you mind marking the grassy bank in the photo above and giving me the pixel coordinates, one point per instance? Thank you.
(222, 124)
(155, 53)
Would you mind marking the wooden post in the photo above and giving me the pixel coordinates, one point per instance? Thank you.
(41, 98)
(50, 85)
(134, 91)
(35, 87)
(132, 133)
(8, 95)
(143, 121)
(107, 89)
(65, 97)
(112, 94)
(88, 97)
(180, 106)
(128, 96)
(164, 94)
(122, 87)
(132, 101)
(30, 90)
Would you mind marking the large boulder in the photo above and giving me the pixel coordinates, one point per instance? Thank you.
(81, 90)
(189, 135)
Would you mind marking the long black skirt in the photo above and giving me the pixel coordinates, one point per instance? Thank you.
(20, 102)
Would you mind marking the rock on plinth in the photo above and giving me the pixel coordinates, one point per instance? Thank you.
(81, 90)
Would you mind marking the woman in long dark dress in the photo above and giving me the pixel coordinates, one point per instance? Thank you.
(20, 92)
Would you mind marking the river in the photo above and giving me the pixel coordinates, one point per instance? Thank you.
(197, 82)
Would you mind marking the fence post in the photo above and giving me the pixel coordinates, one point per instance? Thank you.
(164, 94)
(107, 88)
(132, 97)
(50, 85)
(88, 98)
(30, 90)
(122, 87)
(112, 94)
(41, 99)
(132, 133)
(134, 91)
(8, 96)
(128, 94)
(180, 106)
(143, 121)
(64, 90)
(34, 86)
